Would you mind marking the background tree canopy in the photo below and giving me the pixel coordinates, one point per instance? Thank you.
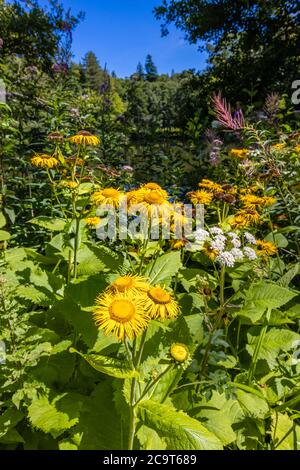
(252, 44)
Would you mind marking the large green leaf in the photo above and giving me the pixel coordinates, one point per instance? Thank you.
(177, 429)
(164, 268)
(50, 223)
(276, 340)
(55, 416)
(8, 420)
(285, 433)
(108, 365)
(4, 236)
(2, 220)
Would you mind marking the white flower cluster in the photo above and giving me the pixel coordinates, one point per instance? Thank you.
(228, 245)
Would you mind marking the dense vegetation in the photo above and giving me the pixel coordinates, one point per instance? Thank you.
(188, 342)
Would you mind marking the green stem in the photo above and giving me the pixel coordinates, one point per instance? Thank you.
(258, 346)
(76, 246)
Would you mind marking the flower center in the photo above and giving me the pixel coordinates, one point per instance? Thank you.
(110, 192)
(123, 283)
(154, 198)
(85, 133)
(159, 295)
(122, 310)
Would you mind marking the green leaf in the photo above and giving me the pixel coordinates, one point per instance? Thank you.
(178, 430)
(2, 220)
(117, 368)
(49, 223)
(287, 278)
(278, 239)
(164, 268)
(149, 439)
(285, 433)
(4, 236)
(9, 419)
(57, 415)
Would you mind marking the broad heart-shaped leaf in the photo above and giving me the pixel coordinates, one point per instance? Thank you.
(285, 433)
(177, 429)
(164, 268)
(262, 296)
(117, 368)
(50, 223)
(276, 340)
(55, 416)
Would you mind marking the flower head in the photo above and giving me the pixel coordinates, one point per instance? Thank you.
(211, 186)
(108, 196)
(44, 161)
(160, 304)
(92, 221)
(84, 138)
(239, 153)
(179, 352)
(121, 314)
(245, 218)
(201, 197)
(129, 282)
(265, 249)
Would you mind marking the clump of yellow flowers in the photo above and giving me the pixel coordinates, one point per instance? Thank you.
(129, 303)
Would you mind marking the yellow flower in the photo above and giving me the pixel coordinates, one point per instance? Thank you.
(134, 197)
(210, 252)
(211, 186)
(200, 197)
(244, 218)
(149, 187)
(160, 304)
(177, 244)
(265, 249)
(239, 153)
(297, 148)
(250, 201)
(179, 352)
(279, 146)
(121, 314)
(44, 161)
(84, 138)
(155, 202)
(69, 184)
(251, 189)
(108, 196)
(92, 221)
(129, 282)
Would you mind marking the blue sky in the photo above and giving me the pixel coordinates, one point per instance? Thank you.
(123, 32)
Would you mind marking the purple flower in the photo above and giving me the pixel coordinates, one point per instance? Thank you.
(127, 168)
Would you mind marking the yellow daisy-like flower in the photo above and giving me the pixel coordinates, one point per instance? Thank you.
(200, 197)
(179, 352)
(210, 252)
(108, 196)
(265, 249)
(239, 153)
(211, 186)
(92, 221)
(84, 138)
(155, 202)
(160, 304)
(44, 161)
(129, 282)
(251, 201)
(149, 187)
(121, 314)
(177, 244)
(245, 218)
(134, 197)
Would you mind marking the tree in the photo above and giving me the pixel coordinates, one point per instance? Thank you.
(150, 69)
(40, 35)
(252, 44)
(94, 75)
(140, 71)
